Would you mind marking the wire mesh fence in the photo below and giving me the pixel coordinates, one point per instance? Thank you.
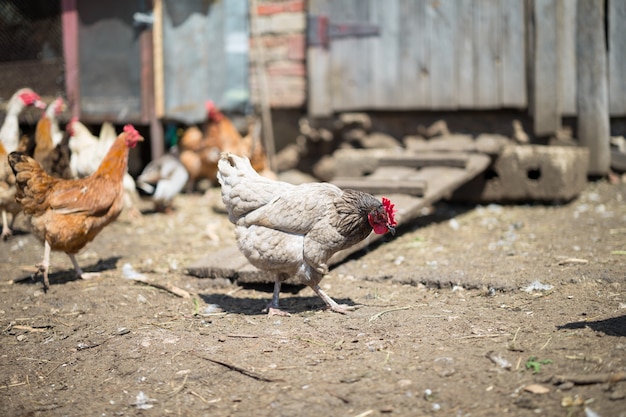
(31, 48)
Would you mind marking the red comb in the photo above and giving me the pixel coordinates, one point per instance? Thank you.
(391, 211)
(213, 112)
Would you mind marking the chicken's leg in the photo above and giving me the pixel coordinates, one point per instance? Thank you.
(338, 308)
(79, 272)
(272, 308)
(6, 229)
(45, 265)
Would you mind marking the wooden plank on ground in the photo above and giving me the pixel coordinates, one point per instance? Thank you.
(426, 159)
(593, 103)
(546, 108)
(617, 57)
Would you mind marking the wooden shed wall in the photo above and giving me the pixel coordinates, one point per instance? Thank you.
(467, 54)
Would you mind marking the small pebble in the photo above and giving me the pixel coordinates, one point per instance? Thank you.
(617, 395)
(21, 338)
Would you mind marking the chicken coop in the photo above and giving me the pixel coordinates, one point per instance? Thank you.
(154, 61)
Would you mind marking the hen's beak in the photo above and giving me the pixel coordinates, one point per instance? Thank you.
(39, 104)
(391, 229)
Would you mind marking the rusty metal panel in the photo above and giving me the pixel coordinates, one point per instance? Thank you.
(205, 56)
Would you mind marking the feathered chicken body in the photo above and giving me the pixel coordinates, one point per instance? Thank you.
(293, 230)
(162, 179)
(67, 214)
(200, 151)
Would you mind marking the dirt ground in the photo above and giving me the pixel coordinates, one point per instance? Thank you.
(448, 323)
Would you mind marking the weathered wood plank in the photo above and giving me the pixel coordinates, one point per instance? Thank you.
(487, 53)
(567, 57)
(381, 186)
(319, 95)
(546, 108)
(442, 26)
(617, 57)
(351, 78)
(385, 57)
(513, 53)
(465, 54)
(593, 102)
(414, 64)
(426, 159)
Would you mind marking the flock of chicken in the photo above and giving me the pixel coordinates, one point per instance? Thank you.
(72, 184)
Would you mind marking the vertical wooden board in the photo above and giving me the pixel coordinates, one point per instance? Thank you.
(593, 102)
(70, 55)
(513, 55)
(318, 69)
(465, 54)
(547, 114)
(567, 57)
(414, 70)
(350, 59)
(385, 56)
(617, 57)
(487, 53)
(442, 26)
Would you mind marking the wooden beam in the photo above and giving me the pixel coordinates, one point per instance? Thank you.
(69, 22)
(592, 84)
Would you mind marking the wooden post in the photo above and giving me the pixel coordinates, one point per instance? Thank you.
(593, 102)
(70, 55)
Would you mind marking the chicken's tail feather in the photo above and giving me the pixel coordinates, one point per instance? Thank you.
(243, 190)
(26, 169)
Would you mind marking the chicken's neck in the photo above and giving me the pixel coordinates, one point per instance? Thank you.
(10, 131)
(115, 162)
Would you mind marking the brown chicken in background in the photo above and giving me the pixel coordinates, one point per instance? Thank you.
(54, 159)
(67, 214)
(293, 230)
(200, 151)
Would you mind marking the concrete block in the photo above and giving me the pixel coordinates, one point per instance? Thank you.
(530, 173)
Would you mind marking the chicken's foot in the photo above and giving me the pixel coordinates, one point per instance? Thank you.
(332, 305)
(272, 308)
(79, 272)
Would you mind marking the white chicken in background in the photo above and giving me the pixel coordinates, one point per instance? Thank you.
(162, 179)
(9, 140)
(89, 150)
(54, 109)
(10, 130)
